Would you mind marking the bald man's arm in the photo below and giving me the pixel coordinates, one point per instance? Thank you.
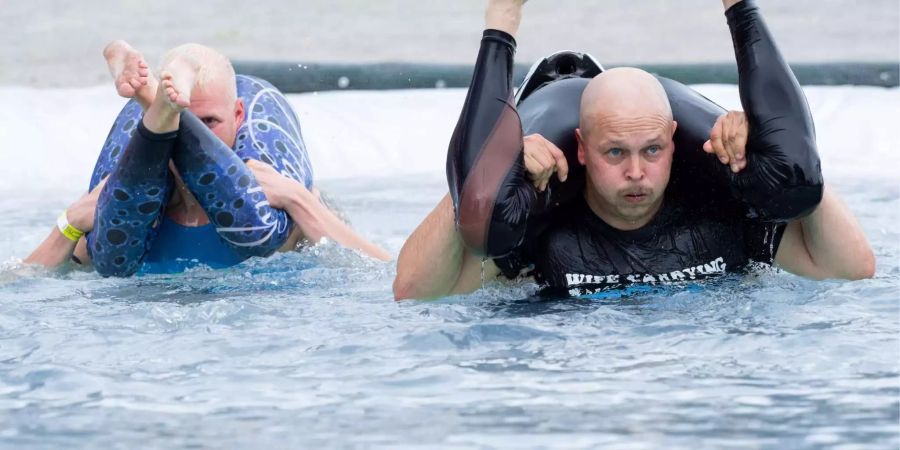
(434, 262)
(829, 243)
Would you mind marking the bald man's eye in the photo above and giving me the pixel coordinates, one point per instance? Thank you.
(653, 150)
(210, 122)
(614, 152)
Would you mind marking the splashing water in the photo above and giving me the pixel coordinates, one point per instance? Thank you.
(308, 349)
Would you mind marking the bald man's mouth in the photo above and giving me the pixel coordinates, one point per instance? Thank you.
(636, 195)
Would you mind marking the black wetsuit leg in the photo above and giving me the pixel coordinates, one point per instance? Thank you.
(783, 177)
(485, 166)
(130, 204)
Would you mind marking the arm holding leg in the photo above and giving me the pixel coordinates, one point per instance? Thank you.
(434, 261)
(829, 243)
(312, 220)
(57, 248)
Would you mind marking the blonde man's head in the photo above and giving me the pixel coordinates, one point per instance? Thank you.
(215, 69)
(214, 95)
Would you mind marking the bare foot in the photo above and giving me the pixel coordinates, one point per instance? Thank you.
(177, 78)
(504, 15)
(130, 72)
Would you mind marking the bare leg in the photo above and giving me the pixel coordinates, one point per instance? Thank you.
(130, 73)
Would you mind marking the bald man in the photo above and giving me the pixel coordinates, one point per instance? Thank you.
(623, 229)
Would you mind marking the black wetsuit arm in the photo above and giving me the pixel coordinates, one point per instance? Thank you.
(485, 167)
(130, 204)
(783, 177)
(228, 192)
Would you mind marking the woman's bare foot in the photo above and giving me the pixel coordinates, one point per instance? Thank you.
(504, 15)
(130, 72)
(177, 78)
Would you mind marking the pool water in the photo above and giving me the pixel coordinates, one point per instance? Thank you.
(309, 349)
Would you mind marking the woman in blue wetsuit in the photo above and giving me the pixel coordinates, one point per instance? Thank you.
(132, 225)
(188, 198)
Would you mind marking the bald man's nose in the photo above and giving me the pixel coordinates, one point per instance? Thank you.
(634, 170)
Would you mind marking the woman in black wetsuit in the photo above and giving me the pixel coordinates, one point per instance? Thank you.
(503, 215)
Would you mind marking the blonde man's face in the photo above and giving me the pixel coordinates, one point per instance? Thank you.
(214, 104)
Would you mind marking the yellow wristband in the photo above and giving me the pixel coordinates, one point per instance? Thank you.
(71, 233)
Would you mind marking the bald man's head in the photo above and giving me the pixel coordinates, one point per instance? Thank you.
(625, 143)
(622, 93)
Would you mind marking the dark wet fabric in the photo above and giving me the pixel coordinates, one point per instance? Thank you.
(580, 254)
(131, 202)
(485, 169)
(783, 178)
(177, 248)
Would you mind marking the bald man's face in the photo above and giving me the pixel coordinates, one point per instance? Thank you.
(628, 157)
(212, 104)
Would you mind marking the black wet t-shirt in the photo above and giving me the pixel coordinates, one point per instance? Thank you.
(578, 253)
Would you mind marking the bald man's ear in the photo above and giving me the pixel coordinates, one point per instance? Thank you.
(674, 127)
(581, 149)
(238, 114)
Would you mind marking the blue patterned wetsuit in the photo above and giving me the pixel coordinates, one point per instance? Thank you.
(130, 208)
